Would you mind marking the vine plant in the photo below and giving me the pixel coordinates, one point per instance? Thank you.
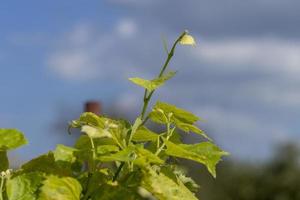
(114, 159)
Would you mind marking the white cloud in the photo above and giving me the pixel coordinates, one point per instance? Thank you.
(72, 65)
(126, 28)
(273, 54)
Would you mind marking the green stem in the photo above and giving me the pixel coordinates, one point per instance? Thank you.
(163, 69)
(94, 155)
(148, 97)
(169, 134)
(1, 188)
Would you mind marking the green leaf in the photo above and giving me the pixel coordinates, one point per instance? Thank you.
(153, 84)
(11, 139)
(178, 114)
(206, 153)
(164, 188)
(179, 175)
(65, 153)
(84, 142)
(182, 119)
(60, 188)
(145, 157)
(104, 149)
(47, 164)
(24, 187)
(4, 163)
(94, 132)
(124, 155)
(88, 118)
(143, 135)
(116, 192)
(191, 128)
(136, 125)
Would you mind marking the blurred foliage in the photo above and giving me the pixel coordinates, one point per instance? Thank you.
(276, 179)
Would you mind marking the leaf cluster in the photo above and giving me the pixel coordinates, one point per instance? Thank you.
(115, 159)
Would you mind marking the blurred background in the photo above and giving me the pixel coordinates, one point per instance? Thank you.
(242, 78)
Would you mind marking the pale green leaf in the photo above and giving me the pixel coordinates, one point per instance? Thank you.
(11, 139)
(64, 153)
(24, 186)
(143, 135)
(206, 153)
(94, 132)
(191, 128)
(176, 113)
(47, 164)
(146, 157)
(164, 188)
(153, 84)
(124, 155)
(104, 149)
(60, 188)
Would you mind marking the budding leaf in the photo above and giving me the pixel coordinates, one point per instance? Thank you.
(187, 40)
(153, 84)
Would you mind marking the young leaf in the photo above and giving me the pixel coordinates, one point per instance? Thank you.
(104, 149)
(64, 153)
(4, 164)
(64, 188)
(177, 113)
(124, 155)
(153, 84)
(47, 164)
(145, 157)
(164, 188)
(24, 186)
(191, 128)
(206, 153)
(11, 139)
(143, 135)
(93, 132)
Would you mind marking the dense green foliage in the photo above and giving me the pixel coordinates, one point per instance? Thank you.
(276, 179)
(114, 159)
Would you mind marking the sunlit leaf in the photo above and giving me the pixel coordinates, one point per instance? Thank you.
(143, 135)
(153, 84)
(206, 153)
(11, 139)
(164, 188)
(60, 188)
(95, 132)
(24, 186)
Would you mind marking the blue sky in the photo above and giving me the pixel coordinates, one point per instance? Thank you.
(242, 78)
